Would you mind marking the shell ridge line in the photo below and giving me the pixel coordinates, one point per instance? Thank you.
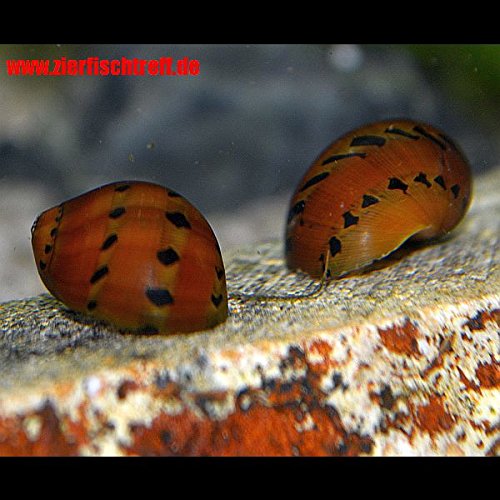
(163, 244)
(111, 227)
(53, 234)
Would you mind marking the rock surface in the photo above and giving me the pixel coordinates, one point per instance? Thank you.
(400, 360)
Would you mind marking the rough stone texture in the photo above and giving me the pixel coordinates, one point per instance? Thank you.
(400, 360)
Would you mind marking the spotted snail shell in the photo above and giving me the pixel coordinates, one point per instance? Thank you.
(135, 254)
(371, 190)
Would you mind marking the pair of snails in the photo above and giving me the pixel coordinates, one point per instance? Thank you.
(140, 256)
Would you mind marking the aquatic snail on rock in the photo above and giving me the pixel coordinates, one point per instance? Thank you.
(135, 254)
(142, 257)
(370, 191)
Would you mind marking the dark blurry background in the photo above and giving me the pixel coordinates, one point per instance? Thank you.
(235, 139)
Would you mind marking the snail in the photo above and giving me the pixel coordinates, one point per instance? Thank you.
(371, 190)
(135, 254)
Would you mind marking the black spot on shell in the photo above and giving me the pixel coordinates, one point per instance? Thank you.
(91, 305)
(333, 158)
(173, 194)
(314, 180)
(99, 274)
(113, 238)
(178, 219)
(404, 133)
(449, 141)
(455, 189)
(167, 256)
(53, 232)
(369, 200)
(60, 213)
(296, 209)
(216, 300)
(219, 272)
(159, 296)
(368, 140)
(429, 136)
(422, 178)
(395, 183)
(43, 265)
(122, 188)
(439, 180)
(47, 249)
(335, 246)
(117, 212)
(349, 219)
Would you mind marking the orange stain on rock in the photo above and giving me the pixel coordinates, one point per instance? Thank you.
(321, 349)
(401, 339)
(478, 322)
(125, 388)
(287, 414)
(433, 417)
(488, 375)
(283, 417)
(259, 431)
(50, 440)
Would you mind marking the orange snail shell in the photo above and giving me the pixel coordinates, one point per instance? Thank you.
(135, 254)
(371, 190)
